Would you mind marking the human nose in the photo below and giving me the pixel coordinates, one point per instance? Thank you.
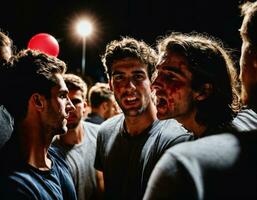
(130, 84)
(156, 85)
(70, 106)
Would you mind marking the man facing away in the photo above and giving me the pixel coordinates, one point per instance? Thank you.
(78, 146)
(130, 144)
(102, 103)
(221, 166)
(37, 98)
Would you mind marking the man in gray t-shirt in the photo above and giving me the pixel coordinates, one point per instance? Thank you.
(80, 159)
(78, 146)
(130, 144)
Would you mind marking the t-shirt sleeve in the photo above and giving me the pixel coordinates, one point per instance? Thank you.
(11, 188)
(99, 152)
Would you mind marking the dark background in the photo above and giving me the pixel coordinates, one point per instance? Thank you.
(141, 19)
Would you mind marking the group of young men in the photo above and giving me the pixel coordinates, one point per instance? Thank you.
(186, 91)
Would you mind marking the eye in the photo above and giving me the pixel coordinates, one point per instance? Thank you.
(76, 101)
(139, 77)
(171, 76)
(63, 95)
(118, 77)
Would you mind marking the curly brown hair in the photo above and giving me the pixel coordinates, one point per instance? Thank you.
(129, 47)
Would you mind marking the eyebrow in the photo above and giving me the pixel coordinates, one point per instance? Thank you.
(62, 91)
(133, 72)
(172, 69)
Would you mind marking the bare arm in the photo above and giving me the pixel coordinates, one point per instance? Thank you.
(100, 184)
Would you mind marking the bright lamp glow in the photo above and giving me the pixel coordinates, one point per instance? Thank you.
(84, 28)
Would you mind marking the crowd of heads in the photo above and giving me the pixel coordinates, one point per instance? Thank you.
(189, 77)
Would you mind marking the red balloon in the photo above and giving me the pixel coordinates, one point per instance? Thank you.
(45, 43)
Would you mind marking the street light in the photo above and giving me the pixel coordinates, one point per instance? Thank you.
(84, 29)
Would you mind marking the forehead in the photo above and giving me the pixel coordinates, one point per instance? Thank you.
(172, 59)
(75, 93)
(128, 65)
(60, 84)
(242, 29)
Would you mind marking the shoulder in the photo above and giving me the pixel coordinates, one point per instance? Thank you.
(17, 187)
(205, 166)
(91, 129)
(57, 157)
(201, 148)
(109, 130)
(246, 120)
(205, 151)
(110, 124)
(91, 125)
(171, 130)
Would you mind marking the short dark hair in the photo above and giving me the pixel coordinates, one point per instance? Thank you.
(28, 72)
(209, 62)
(128, 47)
(98, 94)
(75, 82)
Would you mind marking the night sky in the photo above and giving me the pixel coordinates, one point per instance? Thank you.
(141, 19)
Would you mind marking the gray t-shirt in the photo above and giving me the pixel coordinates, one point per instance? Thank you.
(246, 120)
(80, 159)
(127, 161)
(6, 126)
(221, 166)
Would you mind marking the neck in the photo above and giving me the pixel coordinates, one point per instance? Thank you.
(73, 136)
(98, 111)
(33, 144)
(193, 126)
(135, 125)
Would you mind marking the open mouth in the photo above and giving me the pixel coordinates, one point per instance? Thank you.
(161, 102)
(131, 100)
(161, 105)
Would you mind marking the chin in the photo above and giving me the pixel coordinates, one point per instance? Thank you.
(72, 125)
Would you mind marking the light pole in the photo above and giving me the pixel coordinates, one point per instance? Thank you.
(84, 29)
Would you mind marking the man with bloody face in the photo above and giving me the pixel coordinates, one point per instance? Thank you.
(130, 144)
(220, 166)
(195, 83)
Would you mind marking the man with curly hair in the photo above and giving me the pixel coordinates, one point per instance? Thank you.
(130, 144)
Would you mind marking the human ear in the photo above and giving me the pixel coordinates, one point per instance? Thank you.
(38, 101)
(204, 92)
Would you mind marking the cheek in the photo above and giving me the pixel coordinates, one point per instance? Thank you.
(61, 104)
(117, 88)
(145, 84)
(174, 91)
(174, 87)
